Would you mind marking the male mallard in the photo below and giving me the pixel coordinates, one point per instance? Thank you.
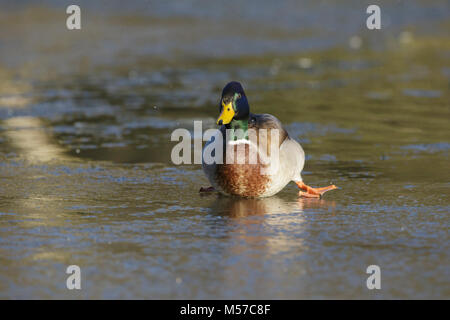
(242, 177)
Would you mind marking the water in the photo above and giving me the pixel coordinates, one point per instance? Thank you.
(85, 170)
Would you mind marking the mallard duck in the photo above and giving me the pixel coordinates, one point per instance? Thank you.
(241, 177)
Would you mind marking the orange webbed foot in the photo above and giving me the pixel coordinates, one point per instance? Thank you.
(313, 192)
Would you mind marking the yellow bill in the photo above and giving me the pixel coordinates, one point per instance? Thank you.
(227, 113)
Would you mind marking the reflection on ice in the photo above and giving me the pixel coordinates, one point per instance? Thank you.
(30, 138)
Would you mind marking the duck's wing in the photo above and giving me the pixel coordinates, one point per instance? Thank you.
(292, 156)
(268, 122)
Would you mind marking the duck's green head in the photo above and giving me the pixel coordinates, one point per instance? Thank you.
(233, 104)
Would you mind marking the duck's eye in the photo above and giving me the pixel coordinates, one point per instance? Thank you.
(238, 96)
(228, 109)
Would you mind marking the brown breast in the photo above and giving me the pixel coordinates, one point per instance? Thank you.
(240, 177)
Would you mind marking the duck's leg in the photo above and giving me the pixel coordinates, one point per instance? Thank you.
(208, 189)
(313, 192)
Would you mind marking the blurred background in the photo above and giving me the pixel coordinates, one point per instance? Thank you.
(85, 171)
